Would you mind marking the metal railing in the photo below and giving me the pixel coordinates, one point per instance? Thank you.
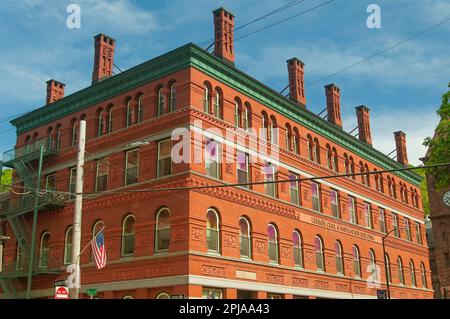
(26, 203)
(30, 151)
(42, 265)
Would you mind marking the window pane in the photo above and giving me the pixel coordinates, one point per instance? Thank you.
(212, 159)
(164, 158)
(293, 189)
(132, 168)
(242, 168)
(315, 193)
(269, 175)
(334, 203)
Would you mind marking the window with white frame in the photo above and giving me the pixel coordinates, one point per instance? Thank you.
(44, 250)
(162, 233)
(368, 215)
(352, 210)
(164, 158)
(131, 167)
(212, 231)
(128, 236)
(161, 101)
(297, 248)
(356, 262)
(418, 234)
(293, 189)
(395, 225)
(269, 176)
(407, 230)
(315, 197)
(320, 259)
(68, 246)
(272, 235)
(101, 180)
(243, 169)
(401, 278)
(382, 221)
(212, 159)
(334, 199)
(245, 243)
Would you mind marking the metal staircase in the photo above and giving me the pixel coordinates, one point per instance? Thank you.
(23, 160)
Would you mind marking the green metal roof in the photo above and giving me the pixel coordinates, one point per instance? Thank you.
(191, 55)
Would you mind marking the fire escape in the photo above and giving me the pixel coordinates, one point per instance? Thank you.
(18, 210)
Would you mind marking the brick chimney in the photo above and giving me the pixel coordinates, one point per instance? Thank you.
(224, 35)
(296, 81)
(55, 91)
(363, 116)
(103, 57)
(333, 95)
(400, 145)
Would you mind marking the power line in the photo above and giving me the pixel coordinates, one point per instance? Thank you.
(284, 20)
(277, 10)
(239, 184)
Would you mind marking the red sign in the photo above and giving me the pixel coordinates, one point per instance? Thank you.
(61, 293)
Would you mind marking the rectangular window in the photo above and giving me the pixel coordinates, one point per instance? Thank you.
(334, 199)
(164, 158)
(395, 225)
(418, 234)
(72, 181)
(352, 210)
(382, 221)
(368, 215)
(50, 182)
(243, 171)
(293, 188)
(212, 293)
(212, 159)
(315, 196)
(269, 176)
(131, 167)
(407, 230)
(101, 182)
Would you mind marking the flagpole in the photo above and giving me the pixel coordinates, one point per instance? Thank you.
(90, 242)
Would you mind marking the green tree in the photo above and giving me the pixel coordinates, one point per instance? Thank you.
(439, 145)
(424, 191)
(6, 180)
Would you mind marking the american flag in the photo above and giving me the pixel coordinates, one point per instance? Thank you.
(99, 250)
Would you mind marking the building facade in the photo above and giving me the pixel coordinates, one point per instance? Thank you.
(305, 237)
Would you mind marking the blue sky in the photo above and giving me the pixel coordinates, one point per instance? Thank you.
(402, 87)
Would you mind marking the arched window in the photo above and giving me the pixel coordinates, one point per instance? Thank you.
(388, 267)
(127, 297)
(352, 167)
(98, 227)
(50, 139)
(74, 132)
(361, 169)
(212, 231)
(405, 189)
(394, 188)
(58, 137)
(356, 262)
(297, 247)
(288, 139)
(162, 233)
(320, 260)
(237, 113)
(217, 104)
(401, 279)
(140, 108)
(334, 163)
(339, 259)
(101, 123)
(161, 101)
(329, 156)
(272, 236)
(44, 250)
(273, 130)
(265, 125)
(346, 164)
(367, 176)
(373, 265)
(423, 276)
(310, 147)
(110, 118)
(206, 98)
(316, 150)
(173, 97)
(247, 117)
(163, 295)
(68, 246)
(130, 113)
(245, 242)
(412, 273)
(296, 141)
(128, 236)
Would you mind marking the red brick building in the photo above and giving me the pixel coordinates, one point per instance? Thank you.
(307, 239)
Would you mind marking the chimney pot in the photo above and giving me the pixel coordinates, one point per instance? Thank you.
(55, 91)
(224, 35)
(363, 116)
(333, 96)
(400, 145)
(104, 47)
(296, 81)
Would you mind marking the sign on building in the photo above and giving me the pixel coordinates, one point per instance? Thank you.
(61, 292)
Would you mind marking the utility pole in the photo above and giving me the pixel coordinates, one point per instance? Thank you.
(35, 217)
(78, 209)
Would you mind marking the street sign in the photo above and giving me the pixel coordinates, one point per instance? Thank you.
(176, 296)
(92, 292)
(60, 283)
(381, 294)
(61, 293)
